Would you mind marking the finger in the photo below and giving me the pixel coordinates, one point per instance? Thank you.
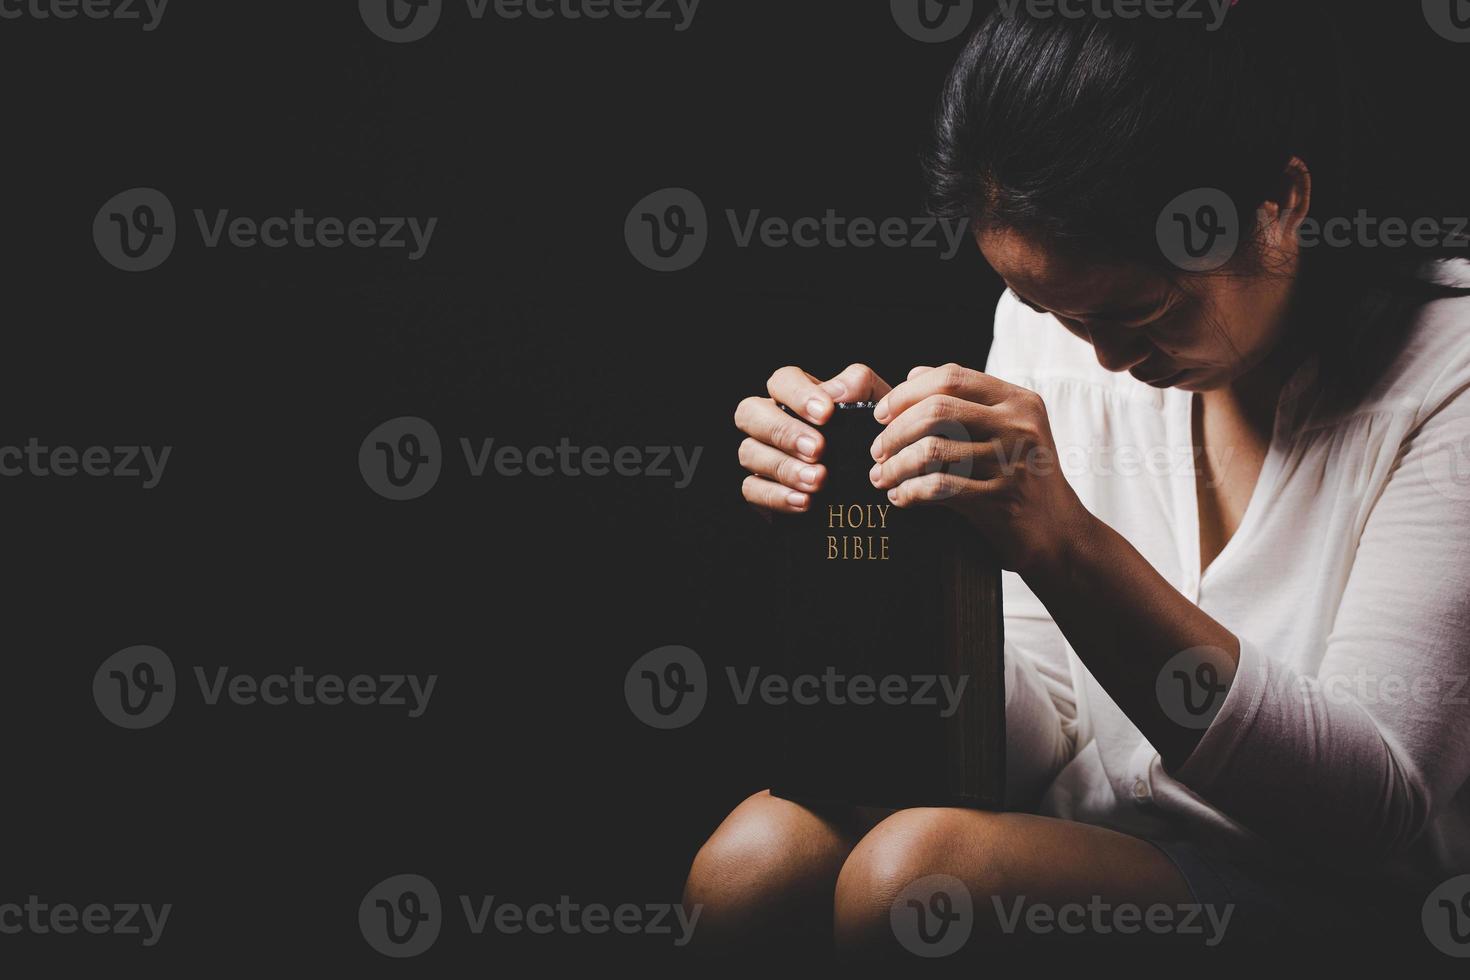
(763, 420)
(857, 383)
(951, 379)
(935, 454)
(937, 415)
(931, 488)
(773, 464)
(918, 371)
(800, 392)
(772, 496)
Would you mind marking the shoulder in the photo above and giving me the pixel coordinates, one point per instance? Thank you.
(1431, 367)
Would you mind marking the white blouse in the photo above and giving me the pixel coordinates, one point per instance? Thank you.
(1347, 583)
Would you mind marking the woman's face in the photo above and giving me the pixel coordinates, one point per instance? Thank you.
(1139, 321)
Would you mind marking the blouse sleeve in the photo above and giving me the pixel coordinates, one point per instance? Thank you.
(1359, 755)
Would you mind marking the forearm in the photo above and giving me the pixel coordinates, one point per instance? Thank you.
(1125, 622)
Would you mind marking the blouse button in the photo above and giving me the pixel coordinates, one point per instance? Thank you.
(1140, 790)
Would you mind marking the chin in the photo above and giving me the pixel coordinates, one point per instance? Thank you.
(1199, 382)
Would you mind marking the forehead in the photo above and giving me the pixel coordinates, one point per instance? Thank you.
(1064, 281)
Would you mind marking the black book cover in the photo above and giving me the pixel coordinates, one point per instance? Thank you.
(892, 637)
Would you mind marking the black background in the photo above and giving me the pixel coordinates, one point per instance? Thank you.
(527, 321)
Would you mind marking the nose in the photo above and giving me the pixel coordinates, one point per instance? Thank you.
(1115, 349)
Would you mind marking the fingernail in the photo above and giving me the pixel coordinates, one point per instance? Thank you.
(835, 388)
(796, 499)
(815, 408)
(876, 450)
(875, 473)
(881, 412)
(807, 446)
(893, 495)
(809, 476)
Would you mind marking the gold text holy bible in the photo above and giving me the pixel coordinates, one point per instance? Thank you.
(892, 639)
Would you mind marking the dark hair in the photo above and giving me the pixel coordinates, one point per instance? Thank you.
(1081, 130)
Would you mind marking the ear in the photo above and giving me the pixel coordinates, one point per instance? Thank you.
(1282, 215)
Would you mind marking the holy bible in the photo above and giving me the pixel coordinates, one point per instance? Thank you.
(892, 638)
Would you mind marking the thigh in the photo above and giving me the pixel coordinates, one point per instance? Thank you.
(1013, 875)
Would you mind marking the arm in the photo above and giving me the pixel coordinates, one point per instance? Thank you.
(1283, 750)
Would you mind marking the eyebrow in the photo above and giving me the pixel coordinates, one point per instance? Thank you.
(1130, 313)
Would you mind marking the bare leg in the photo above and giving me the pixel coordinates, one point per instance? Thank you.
(1000, 858)
(768, 873)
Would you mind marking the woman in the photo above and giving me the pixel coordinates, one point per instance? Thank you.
(1303, 573)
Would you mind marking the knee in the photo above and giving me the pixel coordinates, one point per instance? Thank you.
(769, 868)
(887, 877)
